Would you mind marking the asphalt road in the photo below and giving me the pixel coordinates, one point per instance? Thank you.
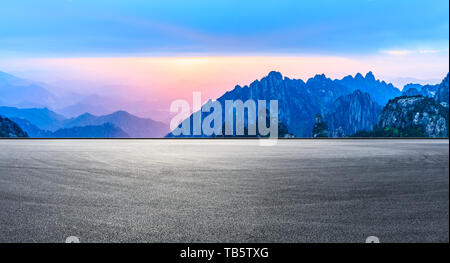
(224, 190)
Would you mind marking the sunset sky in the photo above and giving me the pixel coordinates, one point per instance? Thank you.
(164, 50)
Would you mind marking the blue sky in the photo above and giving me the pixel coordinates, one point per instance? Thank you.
(222, 27)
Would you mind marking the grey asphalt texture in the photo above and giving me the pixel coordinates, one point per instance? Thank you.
(224, 190)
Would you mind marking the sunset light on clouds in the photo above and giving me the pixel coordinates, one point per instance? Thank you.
(169, 78)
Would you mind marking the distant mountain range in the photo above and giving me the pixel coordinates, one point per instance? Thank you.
(353, 105)
(106, 130)
(134, 126)
(43, 118)
(45, 123)
(23, 93)
(32, 106)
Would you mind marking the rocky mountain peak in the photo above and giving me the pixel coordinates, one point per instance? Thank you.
(370, 76)
(275, 75)
(359, 76)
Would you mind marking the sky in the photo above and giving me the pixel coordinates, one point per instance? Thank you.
(167, 49)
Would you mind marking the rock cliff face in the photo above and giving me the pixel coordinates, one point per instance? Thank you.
(352, 113)
(380, 91)
(442, 92)
(320, 129)
(298, 102)
(418, 113)
(10, 129)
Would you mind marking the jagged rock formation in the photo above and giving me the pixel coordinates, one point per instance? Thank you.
(352, 113)
(442, 92)
(380, 91)
(416, 115)
(299, 101)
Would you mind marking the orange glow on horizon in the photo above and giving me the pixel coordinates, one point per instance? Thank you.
(165, 79)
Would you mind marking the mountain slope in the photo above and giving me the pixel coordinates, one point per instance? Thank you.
(417, 115)
(134, 126)
(32, 130)
(106, 130)
(23, 93)
(38, 122)
(298, 102)
(9, 128)
(442, 92)
(417, 89)
(352, 113)
(380, 91)
(44, 118)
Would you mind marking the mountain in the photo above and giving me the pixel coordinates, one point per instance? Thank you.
(351, 113)
(442, 92)
(417, 89)
(295, 105)
(380, 91)
(32, 130)
(416, 116)
(134, 126)
(23, 93)
(412, 91)
(106, 130)
(43, 118)
(299, 101)
(9, 128)
(39, 122)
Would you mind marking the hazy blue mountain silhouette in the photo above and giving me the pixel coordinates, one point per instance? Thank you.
(134, 126)
(42, 118)
(38, 122)
(23, 93)
(106, 130)
(32, 130)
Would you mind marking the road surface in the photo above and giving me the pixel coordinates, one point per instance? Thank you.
(224, 190)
